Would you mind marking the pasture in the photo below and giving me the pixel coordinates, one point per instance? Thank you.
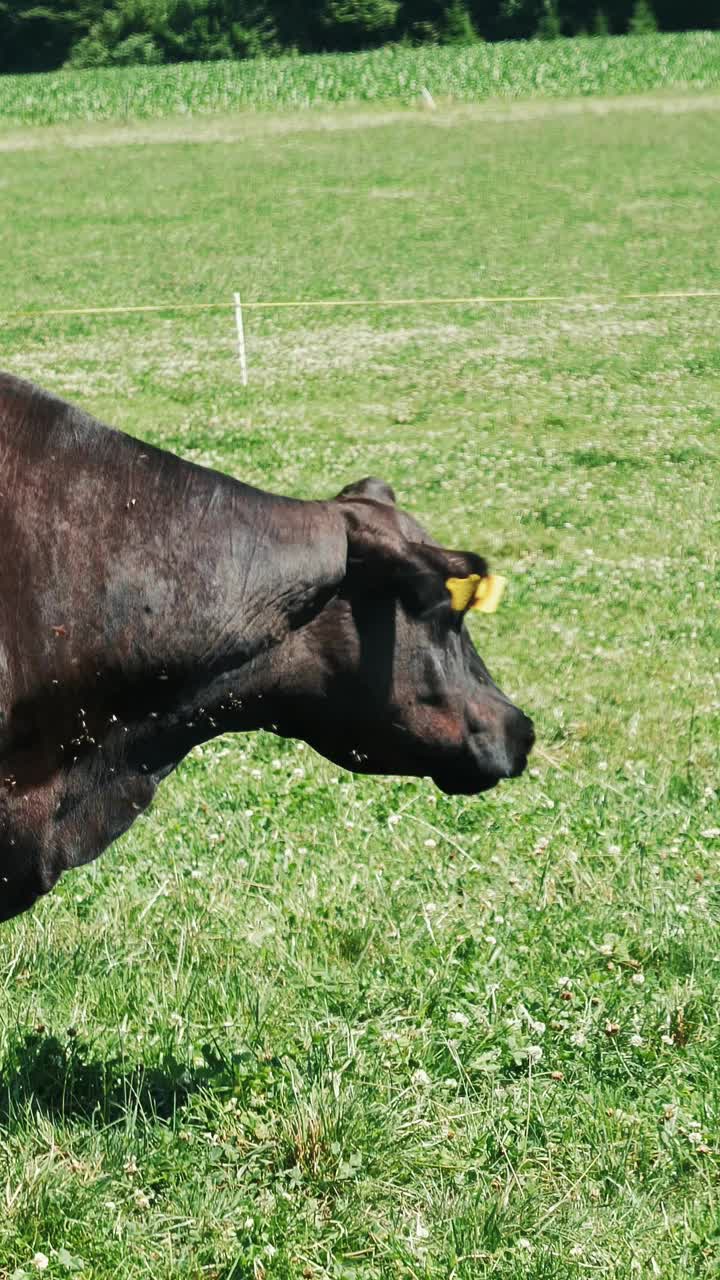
(298, 1024)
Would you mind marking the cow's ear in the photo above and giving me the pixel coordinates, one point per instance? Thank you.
(381, 558)
(369, 487)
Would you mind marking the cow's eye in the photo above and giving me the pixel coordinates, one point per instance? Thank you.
(425, 596)
(440, 614)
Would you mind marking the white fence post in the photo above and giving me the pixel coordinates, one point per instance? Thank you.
(241, 339)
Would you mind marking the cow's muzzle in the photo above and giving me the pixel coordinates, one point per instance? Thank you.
(485, 763)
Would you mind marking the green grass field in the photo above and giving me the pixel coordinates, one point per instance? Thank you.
(303, 1025)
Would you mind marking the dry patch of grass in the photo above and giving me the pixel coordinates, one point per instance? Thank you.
(240, 126)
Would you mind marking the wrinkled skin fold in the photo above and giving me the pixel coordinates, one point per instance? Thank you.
(148, 604)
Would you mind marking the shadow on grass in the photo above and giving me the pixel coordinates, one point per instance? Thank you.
(46, 1075)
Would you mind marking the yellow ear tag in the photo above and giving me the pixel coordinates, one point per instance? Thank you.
(490, 592)
(462, 591)
(475, 592)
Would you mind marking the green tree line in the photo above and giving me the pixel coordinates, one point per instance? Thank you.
(41, 35)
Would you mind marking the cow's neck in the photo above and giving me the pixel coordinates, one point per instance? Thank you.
(153, 598)
(141, 598)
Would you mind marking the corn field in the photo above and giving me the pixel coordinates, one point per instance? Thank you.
(545, 69)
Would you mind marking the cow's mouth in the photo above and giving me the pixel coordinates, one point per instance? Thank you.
(473, 781)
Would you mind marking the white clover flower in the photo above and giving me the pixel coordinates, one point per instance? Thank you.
(459, 1019)
(579, 1039)
(534, 1053)
(636, 1041)
(420, 1078)
(638, 979)
(40, 1262)
(667, 1040)
(431, 844)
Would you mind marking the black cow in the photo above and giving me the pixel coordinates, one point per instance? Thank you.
(147, 604)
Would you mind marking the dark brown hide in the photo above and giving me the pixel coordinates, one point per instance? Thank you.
(147, 604)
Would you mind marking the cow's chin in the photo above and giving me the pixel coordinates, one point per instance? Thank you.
(456, 783)
(453, 781)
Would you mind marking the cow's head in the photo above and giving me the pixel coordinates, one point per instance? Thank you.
(385, 678)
